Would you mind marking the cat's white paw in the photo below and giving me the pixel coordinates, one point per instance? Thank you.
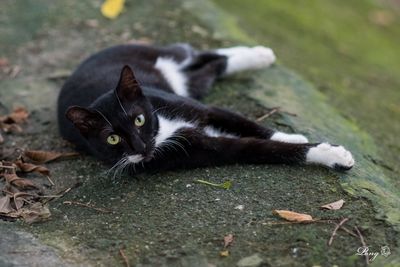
(264, 56)
(332, 156)
(289, 138)
(241, 58)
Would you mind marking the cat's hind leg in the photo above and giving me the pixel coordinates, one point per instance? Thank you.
(242, 58)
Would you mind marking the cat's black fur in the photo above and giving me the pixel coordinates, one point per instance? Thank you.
(104, 96)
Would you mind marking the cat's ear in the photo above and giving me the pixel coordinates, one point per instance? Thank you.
(83, 119)
(128, 88)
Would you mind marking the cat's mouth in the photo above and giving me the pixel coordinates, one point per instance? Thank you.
(135, 158)
(139, 157)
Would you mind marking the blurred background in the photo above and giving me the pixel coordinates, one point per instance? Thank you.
(349, 50)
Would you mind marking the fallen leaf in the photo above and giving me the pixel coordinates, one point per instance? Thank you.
(224, 253)
(29, 167)
(5, 205)
(36, 212)
(39, 156)
(7, 128)
(228, 240)
(18, 202)
(112, 8)
(337, 205)
(19, 182)
(292, 216)
(18, 115)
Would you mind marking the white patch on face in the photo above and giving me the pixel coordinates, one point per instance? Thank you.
(212, 132)
(330, 156)
(289, 138)
(135, 158)
(167, 128)
(241, 58)
(171, 71)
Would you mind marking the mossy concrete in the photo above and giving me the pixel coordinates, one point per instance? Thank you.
(166, 219)
(348, 49)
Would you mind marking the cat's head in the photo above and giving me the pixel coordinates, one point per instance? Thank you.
(119, 126)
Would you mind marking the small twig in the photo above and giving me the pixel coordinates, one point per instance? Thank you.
(335, 230)
(50, 181)
(50, 196)
(271, 112)
(363, 243)
(348, 231)
(86, 205)
(62, 193)
(303, 222)
(121, 252)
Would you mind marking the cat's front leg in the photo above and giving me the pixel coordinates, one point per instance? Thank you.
(194, 148)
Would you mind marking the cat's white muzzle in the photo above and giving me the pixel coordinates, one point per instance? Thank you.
(135, 158)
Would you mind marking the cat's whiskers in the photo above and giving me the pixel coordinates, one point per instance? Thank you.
(158, 109)
(171, 144)
(120, 167)
(114, 166)
(120, 104)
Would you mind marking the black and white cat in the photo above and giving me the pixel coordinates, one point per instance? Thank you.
(135, 107)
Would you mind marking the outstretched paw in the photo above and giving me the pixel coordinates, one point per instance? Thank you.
(242, 58)
(336, 157)
(264, 56)
(289, 138)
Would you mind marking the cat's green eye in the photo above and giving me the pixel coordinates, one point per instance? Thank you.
(113, 139)
(139, 120)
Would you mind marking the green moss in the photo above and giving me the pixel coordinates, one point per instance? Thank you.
(337, 46)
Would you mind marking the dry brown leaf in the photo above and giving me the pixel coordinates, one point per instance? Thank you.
(228, 240)
(5, 205)
(18, 115)
(292, 216)
(39, 156)
(18, 202)
(37, 212)
(29, 167)
(19, 182)
(337, 205)
(224, 253)
(8, 128)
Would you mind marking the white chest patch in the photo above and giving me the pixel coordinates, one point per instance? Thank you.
(167, 128)
(171, 71)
